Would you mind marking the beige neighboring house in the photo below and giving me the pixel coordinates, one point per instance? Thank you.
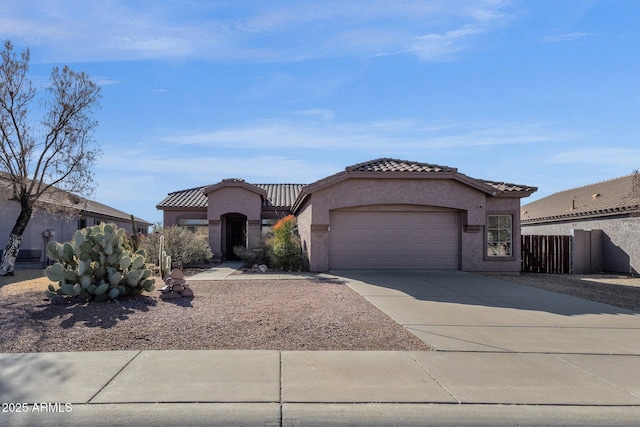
(381, 214)
(610, 208)
(58, 215)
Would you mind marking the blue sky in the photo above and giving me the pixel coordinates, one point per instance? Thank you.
(544, 93)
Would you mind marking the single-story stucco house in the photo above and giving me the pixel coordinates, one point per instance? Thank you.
(612, 208)
(381, 214)
(57, 216)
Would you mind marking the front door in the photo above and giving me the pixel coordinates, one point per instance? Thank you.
(236, 235)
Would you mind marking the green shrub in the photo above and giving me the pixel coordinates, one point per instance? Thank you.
(251, 257)
(180, 244)
(285, 249)
(97, 264)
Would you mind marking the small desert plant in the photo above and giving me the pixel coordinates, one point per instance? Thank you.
(97, 264)
(135, 241)
(180, 244)
(251, 257)
(285, 249)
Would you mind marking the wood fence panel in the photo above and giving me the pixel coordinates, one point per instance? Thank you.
(546, 254)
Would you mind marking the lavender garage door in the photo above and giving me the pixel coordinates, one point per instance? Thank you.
(394, 240)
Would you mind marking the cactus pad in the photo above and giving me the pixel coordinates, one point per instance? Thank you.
(97, 265)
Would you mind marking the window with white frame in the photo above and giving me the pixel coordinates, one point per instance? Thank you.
(500, 235)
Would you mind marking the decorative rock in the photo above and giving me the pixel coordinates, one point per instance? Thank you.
(263, 268)
(177, 274)
(176, 286)
(170, 295)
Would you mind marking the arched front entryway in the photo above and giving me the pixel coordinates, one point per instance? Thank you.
(234, 233)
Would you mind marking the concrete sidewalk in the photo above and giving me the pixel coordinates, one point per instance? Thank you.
(310, 388)
(508, 355)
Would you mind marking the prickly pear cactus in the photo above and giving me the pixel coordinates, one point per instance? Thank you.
(96, 264)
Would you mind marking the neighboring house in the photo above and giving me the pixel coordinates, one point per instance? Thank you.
(381, 214)
(611, 207)
(57, 216)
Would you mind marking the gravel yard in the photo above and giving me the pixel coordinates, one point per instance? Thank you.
(256, 314)
(621, 291)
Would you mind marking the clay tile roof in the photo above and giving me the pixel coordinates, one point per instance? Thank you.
(190, 198)
(509, 188)
(613, 197)
(395, 165)
(278, 195)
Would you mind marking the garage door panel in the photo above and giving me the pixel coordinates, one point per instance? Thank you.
(394, 240)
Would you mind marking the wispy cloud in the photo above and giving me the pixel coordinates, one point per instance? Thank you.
(565, 37)
(105, 81)
(627, 158)
(319, 113)
(201, 170)
(476, 19)
(431, 47)
(370, 136)
(117, 30)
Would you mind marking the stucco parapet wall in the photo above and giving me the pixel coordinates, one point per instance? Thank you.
(239, 199)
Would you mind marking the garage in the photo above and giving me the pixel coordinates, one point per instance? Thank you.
(423, 239)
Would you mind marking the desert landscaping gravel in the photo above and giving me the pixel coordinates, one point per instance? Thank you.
(256, 314)
(620, 291)
(239, 314)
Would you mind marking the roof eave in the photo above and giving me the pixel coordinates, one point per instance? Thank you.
(341, 176)
(477, 184)
(181, 208)
(262, 192)
(624, 211)
(515, 193)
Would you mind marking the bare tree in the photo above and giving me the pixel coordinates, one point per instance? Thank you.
(56, 153)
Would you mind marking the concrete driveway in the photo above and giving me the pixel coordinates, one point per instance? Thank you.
(463, 312)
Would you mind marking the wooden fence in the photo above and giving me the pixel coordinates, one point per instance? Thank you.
(546, 254)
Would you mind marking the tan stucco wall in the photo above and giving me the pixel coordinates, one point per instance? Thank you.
(304, 230)
(432, 192)
(172, 217)
(474, 256)
(233, 199)
(472, 204)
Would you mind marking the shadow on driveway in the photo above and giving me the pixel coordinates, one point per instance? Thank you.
(472, 289)
(457, 311)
